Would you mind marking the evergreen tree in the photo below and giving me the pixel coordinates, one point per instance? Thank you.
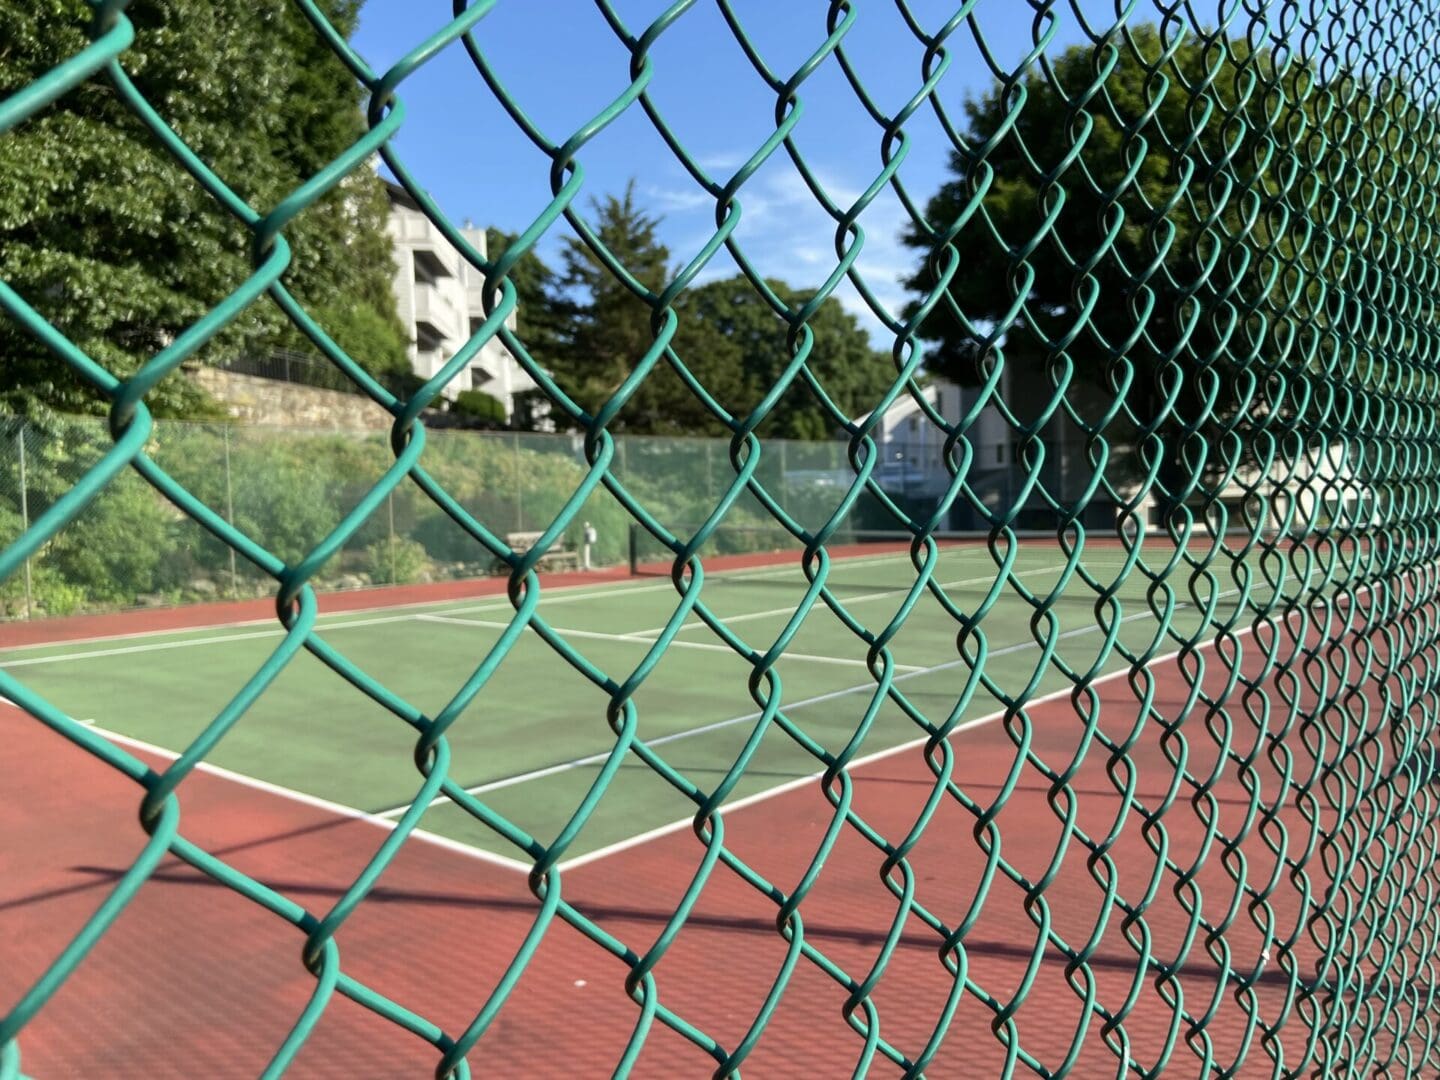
(590, 330)
(730, 324)
(606, 326)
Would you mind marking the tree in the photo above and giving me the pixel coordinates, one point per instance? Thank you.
(595, 330)
(538, 311)
(732, 325)
(112, 242)
(607, 328)
(1201, 231)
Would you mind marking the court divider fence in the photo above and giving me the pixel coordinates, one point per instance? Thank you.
(130, 548)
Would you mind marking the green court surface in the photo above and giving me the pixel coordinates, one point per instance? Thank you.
(531, 743)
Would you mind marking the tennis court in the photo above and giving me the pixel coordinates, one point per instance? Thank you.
(295, 791)
(541, 737)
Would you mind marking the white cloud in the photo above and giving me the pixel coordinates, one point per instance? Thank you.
(677, 200)
(726, 161)
(786, 233)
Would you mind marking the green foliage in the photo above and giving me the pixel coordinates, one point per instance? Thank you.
(591, 331)
(397, 561)
(606, 326)
(117, 548)
(732, 326)
(107, 237)
(1192, 285)
(279, 498)
(287, 490)
(539, 317)
(478, 405)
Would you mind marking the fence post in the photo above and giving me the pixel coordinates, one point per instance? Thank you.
(24, 513)
(390, 510)
(230, 514)
(784, 479)
(519, 486)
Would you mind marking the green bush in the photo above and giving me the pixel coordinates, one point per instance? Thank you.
(289, 489)
(395, 562)
(50, 594)
(119, 547)
(478, 405)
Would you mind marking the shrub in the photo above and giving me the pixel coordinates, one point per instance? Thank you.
(396, 562)
(118, 547)
(478, 405)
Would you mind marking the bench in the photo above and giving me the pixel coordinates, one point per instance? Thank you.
(559, 557)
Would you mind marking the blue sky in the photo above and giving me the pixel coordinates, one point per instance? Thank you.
(563, 63)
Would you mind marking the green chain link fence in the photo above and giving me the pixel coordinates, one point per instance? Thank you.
(1248, 250)
(292, 487)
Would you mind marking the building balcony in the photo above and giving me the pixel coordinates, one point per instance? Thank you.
(435, 311)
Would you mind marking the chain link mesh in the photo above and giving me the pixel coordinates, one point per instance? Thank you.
(1267, 336)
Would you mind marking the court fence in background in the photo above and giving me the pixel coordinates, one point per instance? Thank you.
(294, 485)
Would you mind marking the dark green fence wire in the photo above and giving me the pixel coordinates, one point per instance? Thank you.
(1271, 302)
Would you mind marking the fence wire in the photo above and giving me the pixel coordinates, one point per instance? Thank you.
(1243, 242)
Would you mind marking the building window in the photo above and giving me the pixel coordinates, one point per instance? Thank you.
(478, 377)
(914, 424)
(999, 453)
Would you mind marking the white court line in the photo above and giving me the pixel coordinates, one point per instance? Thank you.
(856, 599)
(703, 729)
(638, 639)
(669, 586)
(878, 755)
(185, 644)
(339, 809)
(459, 605)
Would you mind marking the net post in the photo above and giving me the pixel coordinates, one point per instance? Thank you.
(634, 541)
(24, 513)
(230, 512)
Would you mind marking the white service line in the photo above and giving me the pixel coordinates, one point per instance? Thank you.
(339, 809)
(220, 639)
(878, 755)
(703, 729)
(639, 639)
(857, 599)
(567, 594)
(459, 602)
(669, 586)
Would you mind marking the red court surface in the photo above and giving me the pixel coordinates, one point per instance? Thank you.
(195, 981)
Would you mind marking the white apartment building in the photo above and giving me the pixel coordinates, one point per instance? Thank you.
(912, 447)
(438, 297)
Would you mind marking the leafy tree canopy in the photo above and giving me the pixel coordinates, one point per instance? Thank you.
(108, 238)
(588, 328)
(1225, 250)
